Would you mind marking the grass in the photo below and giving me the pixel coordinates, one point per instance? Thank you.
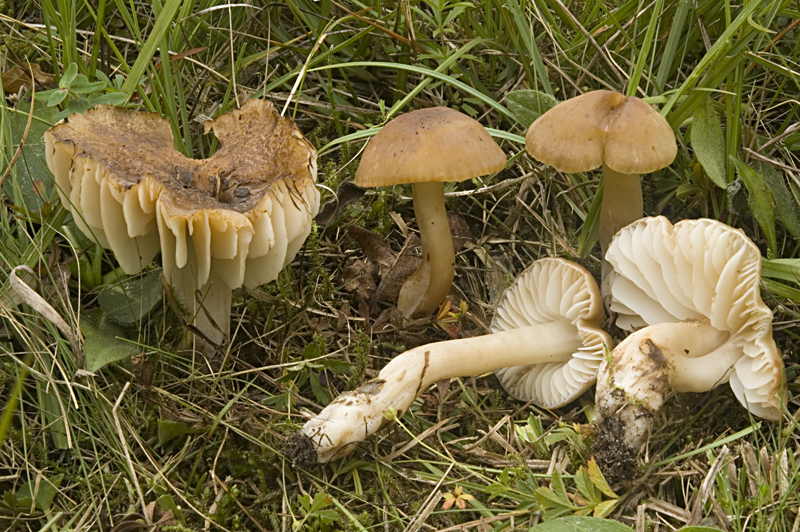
(163, 432)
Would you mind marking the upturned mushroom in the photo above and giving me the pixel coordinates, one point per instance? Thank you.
(694, 287)
(427, 148)
(547, 321)
(622, 134)
(236, 218)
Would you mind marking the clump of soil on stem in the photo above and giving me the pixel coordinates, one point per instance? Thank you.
(616, 460)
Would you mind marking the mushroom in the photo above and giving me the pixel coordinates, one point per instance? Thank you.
(234, 219)
(622, 134)
(547, 320)
(427, 148)
(694, 287)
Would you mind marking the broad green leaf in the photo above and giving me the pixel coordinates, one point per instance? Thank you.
(784, 201)
(48, 488)
(760, 201)
(111, 98)
(56, 97)
(581, 524)
(708, 143)
(558, 486)
(131, 300)
(31, 167)
(585, 486)
(102, 343)
(550, 498)
(598, 479)
(169, 430)
(528, 105)
(604, 508)
(69, 75)
(166, 502)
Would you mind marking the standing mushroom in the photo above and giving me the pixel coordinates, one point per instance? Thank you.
(622, 134)
(550, 317)
(694, 288)
(427, 148)
(236, 218)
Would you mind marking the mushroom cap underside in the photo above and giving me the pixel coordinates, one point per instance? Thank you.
(602, 127)
(117, 170)
(701, 270)
(551, 290)
(427, 145)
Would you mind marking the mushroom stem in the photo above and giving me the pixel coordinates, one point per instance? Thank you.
(622, 203)
(426, 288)
(355, 415)
(634, 380)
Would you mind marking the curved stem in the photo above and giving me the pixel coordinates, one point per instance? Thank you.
(622, 203)
(353, 416)
(427, 287)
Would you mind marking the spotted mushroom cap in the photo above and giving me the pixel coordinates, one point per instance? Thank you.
(552, 290)
(602, 127)
(243, 213)
(429, 145)
(701, 270)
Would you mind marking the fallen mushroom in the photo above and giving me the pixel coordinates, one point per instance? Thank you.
(622, 134)
(427, 148)
(694, 287)
(550, 317)
(236, 218)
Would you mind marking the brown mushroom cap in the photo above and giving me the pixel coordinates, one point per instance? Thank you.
(235, 218)
(112, 166)
(583, 133)
(429, 145)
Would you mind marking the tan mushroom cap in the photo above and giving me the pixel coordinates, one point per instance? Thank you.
(429, 145)
(701, 270)
(250, 204)
(554, 290)
(583, 133)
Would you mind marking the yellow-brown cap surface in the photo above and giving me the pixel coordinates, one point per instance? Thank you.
(429, 145)
(118, 172)
(599, 127)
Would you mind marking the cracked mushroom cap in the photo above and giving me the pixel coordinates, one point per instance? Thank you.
(429, 145)
(701, 270)
(554, 290)
(602, 127)
(242, 213)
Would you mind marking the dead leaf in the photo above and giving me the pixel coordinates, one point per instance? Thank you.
(372, 245)
(360, 277)
(18, 77)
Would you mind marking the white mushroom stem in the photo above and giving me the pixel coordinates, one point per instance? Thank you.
(634, 380)
(355, 415)
(427, 287)
(622, 203)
